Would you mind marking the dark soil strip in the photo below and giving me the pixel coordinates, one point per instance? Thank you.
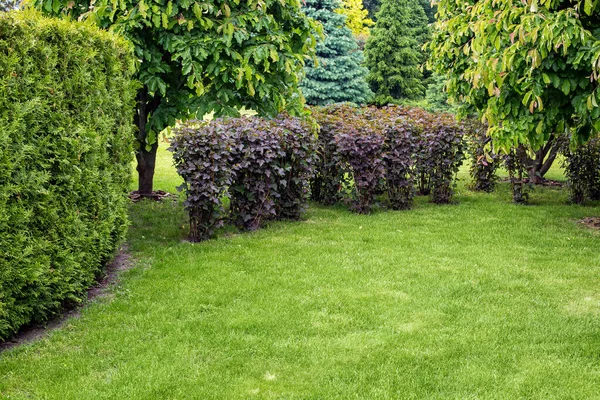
(591, 222)
(159, 195)
(28, 334)
(545, 182)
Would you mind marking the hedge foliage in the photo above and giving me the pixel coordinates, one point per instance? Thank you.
(263, 166)
(364, 152)
(66, 102)
(582, 167)
(485, 161)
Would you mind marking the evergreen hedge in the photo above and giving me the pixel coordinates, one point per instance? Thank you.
(66, 102)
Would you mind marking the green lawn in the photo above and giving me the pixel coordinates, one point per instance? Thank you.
(480, 300)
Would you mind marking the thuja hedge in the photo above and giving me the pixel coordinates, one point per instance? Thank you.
(367, 151)
(263, 166)
(65, 153)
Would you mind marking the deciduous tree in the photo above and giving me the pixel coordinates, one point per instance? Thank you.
(529, 67)
(197, 57)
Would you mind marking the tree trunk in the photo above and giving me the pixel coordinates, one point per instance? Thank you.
(146, 163)
(146, 159)
(544, 158)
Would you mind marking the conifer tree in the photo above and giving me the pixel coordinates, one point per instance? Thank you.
(338, 76)
(393, 51)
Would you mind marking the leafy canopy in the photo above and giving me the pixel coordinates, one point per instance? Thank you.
(197, 57)
(530, 67)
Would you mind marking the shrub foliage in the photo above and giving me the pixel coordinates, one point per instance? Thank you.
(263, 166)
(582, 167)
(394, 148)
(66, 104)
(484, 160)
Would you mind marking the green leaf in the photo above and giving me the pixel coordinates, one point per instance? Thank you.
(546, 78)
(588, 7)
(566, 87)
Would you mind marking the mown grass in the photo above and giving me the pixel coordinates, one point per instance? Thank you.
(483, 299)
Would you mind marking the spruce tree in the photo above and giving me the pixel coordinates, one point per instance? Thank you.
(338, 76)
(393, 51)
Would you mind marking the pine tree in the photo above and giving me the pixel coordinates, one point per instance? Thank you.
(393, 51)
(338, 76)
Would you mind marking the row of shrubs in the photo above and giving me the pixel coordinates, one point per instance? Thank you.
(398, 151)
(268, 169)
(581, 164)
(66, 99)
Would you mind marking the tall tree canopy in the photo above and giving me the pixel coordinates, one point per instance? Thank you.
(197, 57)
(530, 67)
(338, 75)
(393, 51)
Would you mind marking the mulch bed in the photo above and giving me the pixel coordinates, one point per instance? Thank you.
(546, 182)
(591, 222)
(159, 195)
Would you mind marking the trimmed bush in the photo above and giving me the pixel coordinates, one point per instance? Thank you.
(330, 174)
(298, 142)
(516, 173)
(361, 148)
(66, 115)
(444, 154)
(401, 140)
(484, 160)
(582, 167)
(204, 162)
(263, 166)
(256, 172)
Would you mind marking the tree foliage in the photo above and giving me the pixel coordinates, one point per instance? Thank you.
(357, 19)
(337, 76)
(530, 67)
(393, 51)
(197, 57)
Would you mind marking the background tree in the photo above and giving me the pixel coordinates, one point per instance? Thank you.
(530, 68)
(372, 6)
(7, 5)
(357, 19)
(393, 51)
(436, 96)
(338, 75)
(197, 57)
(430, 10)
